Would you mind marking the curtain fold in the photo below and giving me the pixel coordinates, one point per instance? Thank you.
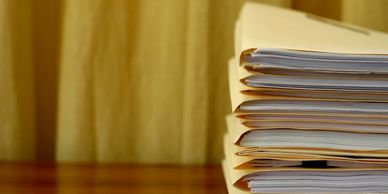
(17, 139)
(371, 14)
(127, 81)
(46, 36)
(195, 83)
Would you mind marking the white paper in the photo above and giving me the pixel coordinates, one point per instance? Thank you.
(322, 106)
(318, 181)
(318, 61)
(315, 139)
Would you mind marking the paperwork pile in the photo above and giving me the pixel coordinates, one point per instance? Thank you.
(310, 105)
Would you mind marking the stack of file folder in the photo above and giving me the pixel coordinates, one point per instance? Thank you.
(310, 105)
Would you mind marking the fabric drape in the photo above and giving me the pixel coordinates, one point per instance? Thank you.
(140, 81)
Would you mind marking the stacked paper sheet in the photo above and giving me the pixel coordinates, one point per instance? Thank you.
(310, 105)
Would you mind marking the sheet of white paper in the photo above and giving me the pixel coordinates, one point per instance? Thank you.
(315, 139)
(318, 181)
(308, 125)
(318, 61)
(329, 83)
(257, 119)
(323, 106)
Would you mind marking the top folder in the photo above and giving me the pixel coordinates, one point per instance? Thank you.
(264, 26)
(284, 39)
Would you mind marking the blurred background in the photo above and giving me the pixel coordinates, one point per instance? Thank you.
(140, 81)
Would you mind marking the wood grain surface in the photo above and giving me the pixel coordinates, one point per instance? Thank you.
(109, 178)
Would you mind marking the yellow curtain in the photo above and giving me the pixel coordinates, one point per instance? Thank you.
(127, 81)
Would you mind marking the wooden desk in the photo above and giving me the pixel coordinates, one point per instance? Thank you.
(109, 178)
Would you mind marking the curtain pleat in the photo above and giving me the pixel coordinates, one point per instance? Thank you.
(46, 37)
(17, 130)
(76, 133)
(195, 83)
(371, 14)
